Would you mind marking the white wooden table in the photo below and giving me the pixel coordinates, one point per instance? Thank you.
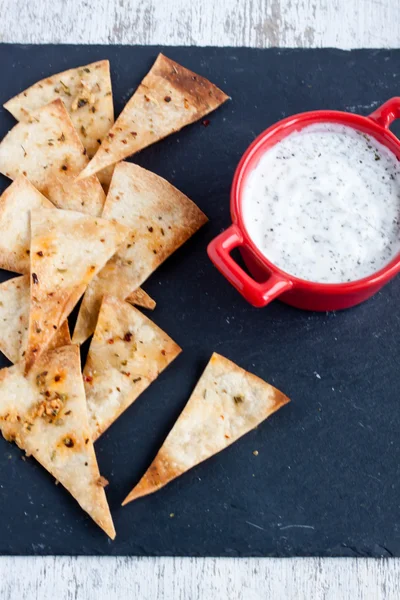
(262, 23)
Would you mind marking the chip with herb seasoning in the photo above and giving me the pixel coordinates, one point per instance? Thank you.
(169, 98)
(15, 205)
(127, 353)
(14, 319)
(160, 219)
(47, 150)
(226, 403)
(67, 250)
(87, 94)
(45, 414)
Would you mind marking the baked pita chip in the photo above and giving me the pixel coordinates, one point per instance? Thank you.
(141, 298)
(226, 403)
(168, 98)
(47, 150)
(45, 413)
(14, 320)
(87, 95)
(67, 250)
(127, 353)
(160, 218)
(15, 230)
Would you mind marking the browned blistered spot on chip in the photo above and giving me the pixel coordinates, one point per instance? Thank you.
(69, 441)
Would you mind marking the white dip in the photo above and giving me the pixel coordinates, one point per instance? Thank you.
(324, 204)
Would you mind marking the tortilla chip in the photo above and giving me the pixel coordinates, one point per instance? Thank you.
(45, 413)
(226, 403)
(161, 219)
(127, 353)
(47, 150)
(67, 250)
(141, 298)
(87, 94)
(15, 231)
(14, 320)
(169, 98)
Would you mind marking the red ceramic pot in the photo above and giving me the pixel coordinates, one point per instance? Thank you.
(268, 281)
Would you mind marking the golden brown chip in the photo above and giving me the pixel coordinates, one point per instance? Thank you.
(45, 413)
(15, 235)
(127, 353)
(168, 98)
(226, 403)
(141, 298)
(14, 320)
(87, 95)
(47, 150)
(67, 250)
(160, 219)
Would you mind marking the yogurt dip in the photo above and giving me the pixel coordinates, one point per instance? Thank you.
(323, 204)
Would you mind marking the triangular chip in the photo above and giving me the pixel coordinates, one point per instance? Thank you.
(45, 413)
(67, 250)
(168, 98)
(141, 298)
(87, 94)
(127, 353)
(15, 230)
(47, 150)
(161, 219)
(226, 403)
(14, 320)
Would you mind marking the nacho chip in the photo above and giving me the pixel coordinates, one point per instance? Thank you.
(141, 298)
(14, 320)
(15, 230)
(87, 95)
(47, 150)
(45, 413)
(168, 98)
(161, 219)
(226, 403)
(67, 250)
(127, 353)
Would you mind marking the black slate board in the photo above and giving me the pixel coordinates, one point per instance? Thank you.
(326, 479)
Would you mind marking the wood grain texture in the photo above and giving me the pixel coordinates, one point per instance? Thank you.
(198, 579)
(260, 23)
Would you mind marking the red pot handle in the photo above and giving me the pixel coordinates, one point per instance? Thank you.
(258, 294)
(387, 113)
